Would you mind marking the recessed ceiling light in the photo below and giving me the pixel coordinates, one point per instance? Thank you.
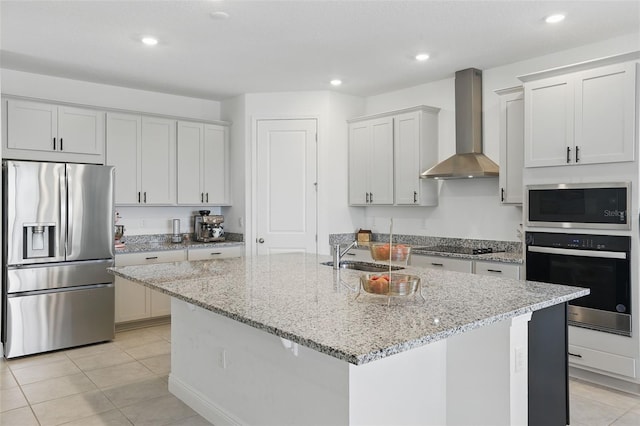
(221, 16)
(336, 82)
(554, 19)
(149, 41)
(422, 57)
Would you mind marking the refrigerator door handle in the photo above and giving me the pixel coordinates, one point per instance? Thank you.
(65, 214)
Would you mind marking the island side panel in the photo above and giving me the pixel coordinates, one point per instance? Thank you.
(487, 374)
(231, 373)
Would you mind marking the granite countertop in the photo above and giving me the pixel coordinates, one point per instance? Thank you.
(294, 297)
(141, 247)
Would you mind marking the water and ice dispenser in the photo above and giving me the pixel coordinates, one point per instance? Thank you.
(38, 240)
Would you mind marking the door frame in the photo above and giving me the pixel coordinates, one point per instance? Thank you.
(251, 233)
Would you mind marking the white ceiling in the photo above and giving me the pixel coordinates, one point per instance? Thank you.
(272, 46)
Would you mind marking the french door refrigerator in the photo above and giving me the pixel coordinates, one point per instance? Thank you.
(57, 243)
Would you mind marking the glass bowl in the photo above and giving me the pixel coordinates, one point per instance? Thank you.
(394, 284)
(384, 252)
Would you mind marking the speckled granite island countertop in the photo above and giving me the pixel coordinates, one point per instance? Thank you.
(294, 297)
(141, 247)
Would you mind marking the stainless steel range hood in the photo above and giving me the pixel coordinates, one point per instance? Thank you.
(468, 161)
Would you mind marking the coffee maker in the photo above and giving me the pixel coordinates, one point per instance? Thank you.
(208, 228)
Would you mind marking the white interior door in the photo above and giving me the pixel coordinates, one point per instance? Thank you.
(286, 200)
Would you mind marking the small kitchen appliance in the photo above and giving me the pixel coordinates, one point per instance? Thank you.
(208, 228)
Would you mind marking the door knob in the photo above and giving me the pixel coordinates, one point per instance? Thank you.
(261, 240)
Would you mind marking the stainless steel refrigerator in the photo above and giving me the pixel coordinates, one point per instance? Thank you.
(58, 237)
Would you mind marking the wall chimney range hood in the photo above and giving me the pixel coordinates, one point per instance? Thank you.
(468, 161)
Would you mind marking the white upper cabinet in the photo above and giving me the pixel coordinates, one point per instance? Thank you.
(371, 162)
(388, 152)
(49, 132)
(584, 117)
(203, 158)
(416, 149)
(143, 150)
(511, 144)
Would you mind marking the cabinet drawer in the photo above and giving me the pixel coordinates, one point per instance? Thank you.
(579, 356)
(444, 263)
(214, 253)
(150, 257)
(498, 269)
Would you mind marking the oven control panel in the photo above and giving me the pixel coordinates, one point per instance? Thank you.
(579, 241)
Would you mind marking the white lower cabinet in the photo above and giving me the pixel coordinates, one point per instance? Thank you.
(214, 253)
(443, 263)
(135, 301)
(599, 360)
(497, 269)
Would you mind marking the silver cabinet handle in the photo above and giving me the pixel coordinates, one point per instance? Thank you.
(371, 197)
(366, 194)
(207, 197)
(415, 196)
(145, 196)
(138, 196)
(202, 197)
(215, 253)
(54, 144)
(577, 151)
(437, 264)
(576, 355)
(60, 144)
(497, 271)
(568, 154)
(151, 257)
(502, 194)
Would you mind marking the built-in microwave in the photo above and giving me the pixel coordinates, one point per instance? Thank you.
(579, 205)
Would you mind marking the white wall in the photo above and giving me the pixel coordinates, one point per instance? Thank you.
(137, 220)
(471, 208)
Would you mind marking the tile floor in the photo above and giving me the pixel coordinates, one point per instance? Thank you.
(124, 382)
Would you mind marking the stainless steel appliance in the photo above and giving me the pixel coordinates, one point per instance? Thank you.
(58, 237)
(208, 228)
(601, 263)
(588, 205)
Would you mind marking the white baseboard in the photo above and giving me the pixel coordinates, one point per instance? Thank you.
(200, 404)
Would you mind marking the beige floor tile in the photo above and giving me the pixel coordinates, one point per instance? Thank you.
(70, 408)
(164, 331)
(114, 356)
(119, 374)
(586, 411)
(630, 418)
(36, 360)
(603, 395)
(90, 350)
(159, 364)
(133, 393)
(6, 379)
(49, 370)
(108, 418)
(58, 387)
(158, 411)
(133, 338)
(19, 417)
(191, 421)
(4, 364)
(150, 349)
(12, 398)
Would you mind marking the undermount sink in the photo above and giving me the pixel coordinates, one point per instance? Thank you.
(364, 266)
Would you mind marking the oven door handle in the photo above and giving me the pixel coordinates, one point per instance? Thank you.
(582, 253)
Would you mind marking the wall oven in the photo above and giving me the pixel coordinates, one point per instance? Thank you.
(601, 263)
(589, 205)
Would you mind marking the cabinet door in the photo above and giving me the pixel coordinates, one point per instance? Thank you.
(359, 137)
(123, 151)
(132, 301)
(31, 126)
(158, 161)
(190, 137)
(548, 122)
(511, 147)
(215, 166)
(605, 114)
(407, 158)
(81, 131)
(380, 167)
(444, 263)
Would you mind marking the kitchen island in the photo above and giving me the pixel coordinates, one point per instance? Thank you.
(282, 339)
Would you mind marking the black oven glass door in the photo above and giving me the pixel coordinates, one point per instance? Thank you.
(607, 278)
(567, 206)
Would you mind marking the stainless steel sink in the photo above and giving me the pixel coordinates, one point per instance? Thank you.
(364, 266)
